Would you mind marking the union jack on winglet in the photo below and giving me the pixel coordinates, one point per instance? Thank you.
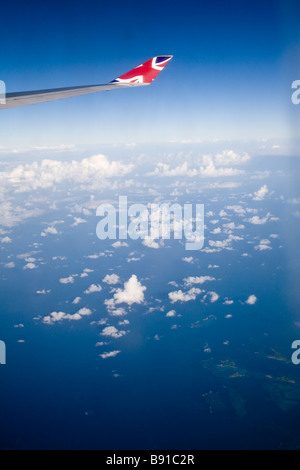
(146, 72)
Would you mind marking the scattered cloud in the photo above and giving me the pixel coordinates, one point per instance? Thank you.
(133, 292)
(67, 280)
(112, 332)
(93, 288)
(259, 221)
(180, 296)
(252, 299)
(111, 279)
(213, 296)
(263, 245)
(150, 243)
(77, 221)
(171, 313)
(30, 266)
(49, 231)
(109, 354)
(6, 240)
(10, 265)
(197, 280)
(60, 316)
(261, 193)
(119, 244)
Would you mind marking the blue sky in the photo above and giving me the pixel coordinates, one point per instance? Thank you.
(230, 77)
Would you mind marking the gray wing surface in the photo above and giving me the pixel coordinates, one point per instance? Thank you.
(33, 97)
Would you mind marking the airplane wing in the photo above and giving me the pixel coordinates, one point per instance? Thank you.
(144, 74)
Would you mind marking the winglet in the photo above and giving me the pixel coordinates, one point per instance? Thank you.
(145, 73)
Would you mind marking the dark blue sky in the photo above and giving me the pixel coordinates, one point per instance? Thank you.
(230, 77)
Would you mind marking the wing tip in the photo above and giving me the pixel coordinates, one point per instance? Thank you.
(145, 73)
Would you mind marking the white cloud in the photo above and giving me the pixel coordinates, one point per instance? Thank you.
(111, 279)
(259, 221)
(237, 209)
(6, 240)
(225, 185)
(10, 265)
(179, 296)
(67, 280)
(209, 166)
(252, 299)
(263, 245)
(229, 157)
(109, 354)
(232, 226)
(43, 292)
(93, 288)
(133, 292)
(96, 255)
(210, 169)
(48, 173)
(38, 148)
(163, 169)
(261, 193)
(119, 244)
(49, 231)
(76, 300)
(150, 243)
(171, 313)
(77, 221)
(60, 316)
(219, 243)
(189, 259)
(116, 312)
(213, 296)
(11, 216)
(112, 332)
(83, 312)
(30, 266)
(197, 280)
(222, 213)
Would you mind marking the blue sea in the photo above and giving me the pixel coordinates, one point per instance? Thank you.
(217, 372)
